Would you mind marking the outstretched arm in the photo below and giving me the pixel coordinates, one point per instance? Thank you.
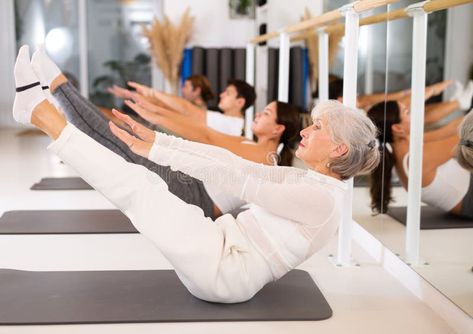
(438, 152)
(436, 111)
(446, 131)
(196, 132)
(171, 101)
(145, 106)
(280, 190)
(432, 90)
(124, 93)
(366, 101)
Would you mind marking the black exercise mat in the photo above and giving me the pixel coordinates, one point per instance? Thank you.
(431, 218)
(61, 183)
(87, 297)
(363, 181)
(65, 222)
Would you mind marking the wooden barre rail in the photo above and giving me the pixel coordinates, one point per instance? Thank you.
(358, 6)
(264, 38)
(383, 17)
(429, 7)
(436, 5)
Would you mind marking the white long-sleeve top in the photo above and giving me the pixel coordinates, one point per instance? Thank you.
(293, 212)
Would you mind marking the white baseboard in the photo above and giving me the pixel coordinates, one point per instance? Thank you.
(457, 319)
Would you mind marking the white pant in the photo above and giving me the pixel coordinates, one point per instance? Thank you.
(215, 260)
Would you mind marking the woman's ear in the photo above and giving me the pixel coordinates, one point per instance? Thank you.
(398, 130)
(241, 102)
(339, 151)
(279, 129)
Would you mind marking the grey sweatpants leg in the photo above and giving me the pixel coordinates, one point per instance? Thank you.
(87, 118)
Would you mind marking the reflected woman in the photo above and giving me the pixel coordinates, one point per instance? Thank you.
(445, 183)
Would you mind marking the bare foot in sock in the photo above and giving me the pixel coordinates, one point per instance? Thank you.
(44, 67)
(28, 89)
(464, 99)
(39, 60)
(31, 105)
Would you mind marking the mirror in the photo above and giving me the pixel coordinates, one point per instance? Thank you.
(445, 251)
(56, 24)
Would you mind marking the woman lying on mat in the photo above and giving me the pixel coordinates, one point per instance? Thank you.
(445, 184)
(293, 212)
(276, 125)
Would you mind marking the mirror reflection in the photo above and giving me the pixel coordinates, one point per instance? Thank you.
(446, 214)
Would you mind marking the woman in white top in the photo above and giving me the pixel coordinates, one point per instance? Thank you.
(278, 123)
(445, 184)
(237, 96)
(293, 212)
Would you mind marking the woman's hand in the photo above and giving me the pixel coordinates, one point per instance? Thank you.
(121, 92)
(136, 145)
(138, 129)
(143, 112)
(438, 87)
(144, 103)
(141, 89)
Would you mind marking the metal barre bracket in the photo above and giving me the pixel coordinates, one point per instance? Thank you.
(348, 8)
(416, 8)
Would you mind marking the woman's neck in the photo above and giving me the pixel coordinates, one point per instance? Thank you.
(322, 169)
(400, 144)
(200, 103)
(269, 142)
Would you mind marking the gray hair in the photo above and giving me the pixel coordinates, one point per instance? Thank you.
(464, 154)
(354, 129)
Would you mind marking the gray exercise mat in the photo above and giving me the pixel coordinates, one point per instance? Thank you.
(431, 218)
(61, 183)
(65, 222)
(91, 297)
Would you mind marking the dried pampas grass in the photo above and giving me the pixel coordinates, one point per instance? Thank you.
(167, 43)
(312, 44)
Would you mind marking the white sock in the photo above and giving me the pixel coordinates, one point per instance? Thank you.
(457, 90)
(44, 67)
(27, 99)
(464, 99)
(37, 61)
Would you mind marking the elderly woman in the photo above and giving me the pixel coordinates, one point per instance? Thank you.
(293, 212)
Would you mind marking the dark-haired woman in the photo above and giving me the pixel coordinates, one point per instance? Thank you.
(197, 90)
(445, 184)
(277, 124)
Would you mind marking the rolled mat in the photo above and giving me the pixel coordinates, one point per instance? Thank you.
(91, 297)
(61, 183)
(65, 222)
(431, 218)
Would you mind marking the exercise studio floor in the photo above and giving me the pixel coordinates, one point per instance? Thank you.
(364, 299)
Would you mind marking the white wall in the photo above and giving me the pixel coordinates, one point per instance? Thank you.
(212, 24)
(282, 13)
(278, 14)
(7, 59)
(459, 46)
